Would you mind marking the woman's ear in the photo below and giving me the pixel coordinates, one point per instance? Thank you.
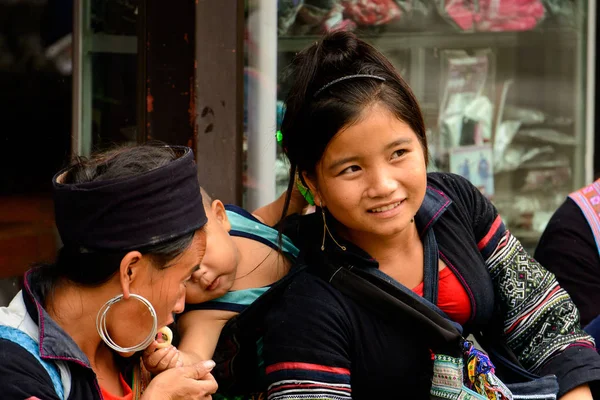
(312, 186)
(218, 210)
(129, 270)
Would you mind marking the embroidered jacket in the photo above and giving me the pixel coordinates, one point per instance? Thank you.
(569, 249)
(320, 344)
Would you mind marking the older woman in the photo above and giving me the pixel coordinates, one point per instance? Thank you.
(131, 221)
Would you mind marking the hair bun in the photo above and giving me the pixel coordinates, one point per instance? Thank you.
(339, 51)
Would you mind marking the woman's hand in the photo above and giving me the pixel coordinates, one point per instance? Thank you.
(582, 392)
(193, 382)
(157, 360)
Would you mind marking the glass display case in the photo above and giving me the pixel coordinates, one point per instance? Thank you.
(106, 94)
(504, 87)
(134, 72)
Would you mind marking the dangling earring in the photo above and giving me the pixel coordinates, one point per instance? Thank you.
(103, 331)
(326, 230)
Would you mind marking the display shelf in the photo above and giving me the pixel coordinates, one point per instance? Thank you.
(463, 40)
(116, 44)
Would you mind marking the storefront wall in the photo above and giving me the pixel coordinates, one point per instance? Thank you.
(506, 88)
(79, 76)
(509, 98)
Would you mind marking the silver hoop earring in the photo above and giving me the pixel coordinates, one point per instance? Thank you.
(103, 331)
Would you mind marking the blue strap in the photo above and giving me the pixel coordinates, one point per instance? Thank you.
(22, 339)
(430, 278)
(430, 269)
(236, 300)
(244, 224)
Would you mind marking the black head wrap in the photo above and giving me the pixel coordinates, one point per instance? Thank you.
(130, 213)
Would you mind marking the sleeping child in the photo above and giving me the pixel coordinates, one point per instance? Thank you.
(242, 260)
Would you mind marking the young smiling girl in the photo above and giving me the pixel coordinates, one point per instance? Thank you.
(354, 132)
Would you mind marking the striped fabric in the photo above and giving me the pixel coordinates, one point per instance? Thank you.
(539, 318)
(236, 301)
(311, 381)
(588, 200)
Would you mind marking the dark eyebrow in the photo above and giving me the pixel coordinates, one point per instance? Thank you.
(343, 161)
(338, 163)
(398, 143)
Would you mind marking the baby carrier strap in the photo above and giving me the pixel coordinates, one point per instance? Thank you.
(26, 342)
(392, 301)
(397, 304)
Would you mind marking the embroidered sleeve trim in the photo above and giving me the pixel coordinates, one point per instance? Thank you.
(540, 319)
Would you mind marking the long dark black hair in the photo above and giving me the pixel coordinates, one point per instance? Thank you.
(92, 267)
(313, 115)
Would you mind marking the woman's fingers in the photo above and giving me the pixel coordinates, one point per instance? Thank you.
(151, 349)
(199, 370)
(165, 362)
(207, 385)
(161, 358)
(190, 382)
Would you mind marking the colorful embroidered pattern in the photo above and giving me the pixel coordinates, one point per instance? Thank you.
(481, 376)
(539, 317)
(451, 380)
(447, 381)
(588, 200)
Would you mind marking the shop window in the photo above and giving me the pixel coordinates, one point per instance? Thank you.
(79, 76)
(503, 91)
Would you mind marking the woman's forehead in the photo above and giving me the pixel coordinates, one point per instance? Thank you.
(375, 132)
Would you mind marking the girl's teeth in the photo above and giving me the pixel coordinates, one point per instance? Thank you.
(386, 208)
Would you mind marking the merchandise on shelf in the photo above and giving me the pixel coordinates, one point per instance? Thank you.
(313, 17)
(493, 15)
(531, 142)
(465, 117)
(475, 164)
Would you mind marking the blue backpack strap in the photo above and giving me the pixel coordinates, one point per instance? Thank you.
(22, 339)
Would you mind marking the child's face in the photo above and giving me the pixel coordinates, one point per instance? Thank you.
(219, 266)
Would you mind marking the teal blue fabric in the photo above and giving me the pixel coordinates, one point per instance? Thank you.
(244, 224)
(243, 297)
(22, 339)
